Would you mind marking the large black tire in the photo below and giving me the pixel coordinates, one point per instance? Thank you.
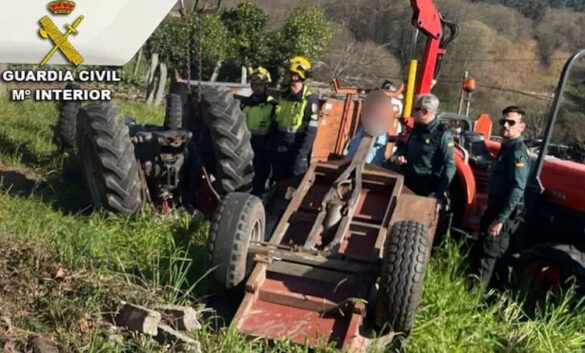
(174, 112)
(65, 132)
(109, 166)
(401, 280)
(239, 219)
(230, 140)
(550, 266)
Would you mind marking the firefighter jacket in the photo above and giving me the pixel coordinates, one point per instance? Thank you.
(509, 174)
(296, 127)
(430, 166)
(259, 113)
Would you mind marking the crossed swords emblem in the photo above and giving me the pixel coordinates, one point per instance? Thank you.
(50, 31)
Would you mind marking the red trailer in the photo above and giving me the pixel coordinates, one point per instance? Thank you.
(348, 249)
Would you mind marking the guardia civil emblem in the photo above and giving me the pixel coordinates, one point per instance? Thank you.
(60, 40)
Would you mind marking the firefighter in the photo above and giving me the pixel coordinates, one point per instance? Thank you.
(260, 109)
(426, 159)
(509, 174)
(296, 121)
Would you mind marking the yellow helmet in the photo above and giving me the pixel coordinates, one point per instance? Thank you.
(299, 66)
(259, 74)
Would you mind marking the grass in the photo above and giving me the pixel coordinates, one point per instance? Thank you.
(74, 267)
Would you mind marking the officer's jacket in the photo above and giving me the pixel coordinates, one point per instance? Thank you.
(509, 174)
(259, 113)
(296, 120)
(429, 164)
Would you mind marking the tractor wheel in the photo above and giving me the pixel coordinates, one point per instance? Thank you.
(239, 219)
(402, 276)
(109, 166)
(174, 112)
(226, 149)
(66, 129)
(550, 266)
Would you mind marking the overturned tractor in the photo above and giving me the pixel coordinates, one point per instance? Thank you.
(201, 152)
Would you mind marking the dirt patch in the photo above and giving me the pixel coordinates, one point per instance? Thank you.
(18, 180)
(41, 300)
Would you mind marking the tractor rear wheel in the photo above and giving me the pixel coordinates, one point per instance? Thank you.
(109, 166)
(239, 219)
(66, 129)
(402, 276)
(225, 146)
(174, 112)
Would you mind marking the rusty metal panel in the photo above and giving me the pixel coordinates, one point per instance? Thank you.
(338, 122)
(281, 312)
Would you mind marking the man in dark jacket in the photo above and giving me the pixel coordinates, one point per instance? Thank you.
(296, 121)
(427, 157)
(260, 109)
(508, 178)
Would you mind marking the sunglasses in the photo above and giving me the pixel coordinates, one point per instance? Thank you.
(509, 121)
(416, 109)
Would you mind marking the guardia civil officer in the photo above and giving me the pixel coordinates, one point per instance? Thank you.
(260, 109)
(509, 174)
(296, 121)
(426, 159)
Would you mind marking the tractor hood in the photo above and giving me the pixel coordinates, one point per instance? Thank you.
(110, 33)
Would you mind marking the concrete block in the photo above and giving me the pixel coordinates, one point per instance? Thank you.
(182, 318)
(138, 319)
(168, 335)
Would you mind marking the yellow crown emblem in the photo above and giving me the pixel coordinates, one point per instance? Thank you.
(61, 7)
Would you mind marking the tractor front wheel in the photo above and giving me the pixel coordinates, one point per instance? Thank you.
(551, 267)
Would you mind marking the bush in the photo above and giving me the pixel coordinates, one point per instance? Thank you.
(199, 35)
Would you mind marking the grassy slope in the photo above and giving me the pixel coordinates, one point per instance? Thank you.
(145, 258)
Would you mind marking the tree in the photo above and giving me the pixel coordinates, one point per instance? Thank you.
(204, 36)
(560, 30)
(246, 25)
(363, 63)
(170, 41)
(307, 32)
(209, 40)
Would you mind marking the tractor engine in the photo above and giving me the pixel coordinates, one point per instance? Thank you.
(161, 153)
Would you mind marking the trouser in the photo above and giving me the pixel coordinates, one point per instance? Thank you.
(261, 163)
(426, 186)
(422, 185)
(488, 250)
(286, 164)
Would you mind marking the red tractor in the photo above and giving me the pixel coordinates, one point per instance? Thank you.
(548, 247)
(551, 247)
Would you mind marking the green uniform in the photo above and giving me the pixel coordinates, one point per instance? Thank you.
(429, 166)
(509, 174)
(260, 121)
(508, 178)
(296, 127)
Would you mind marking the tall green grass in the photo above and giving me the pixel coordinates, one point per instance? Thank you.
(456, 318)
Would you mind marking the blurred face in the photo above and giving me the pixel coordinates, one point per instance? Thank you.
(258, 87)
(377, 113)
(511, 126)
